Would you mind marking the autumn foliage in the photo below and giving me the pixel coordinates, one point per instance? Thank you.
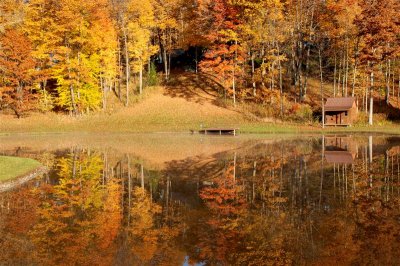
(17, 72)
(72, 56)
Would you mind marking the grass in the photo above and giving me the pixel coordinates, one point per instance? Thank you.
(168, 123)
(317, 129)
(11, 167)
(180, 107)
(166, 119)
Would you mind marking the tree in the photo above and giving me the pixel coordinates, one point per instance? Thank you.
(17, 72)
(141, 22)
(41, 28)
(225, 55)
(379, 26)
(82, 57)
(11, 14)
(166, 14)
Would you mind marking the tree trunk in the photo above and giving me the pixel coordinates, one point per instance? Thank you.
(233, 76)
(344, 74)
(142, 176)
(334, 78)
(72, 93)
(169, 64)
(366, 96)
(387, 75)
(339, 75)
(141, 79)
(119, 71)
(393, 78)
(347, 66)
(252, 74)
(321, 87)
(196, 60)
(126, 68)
(165, 63)
(280, 83)
(355, 69)
(102, 86)
(371, 101)
(398, 93)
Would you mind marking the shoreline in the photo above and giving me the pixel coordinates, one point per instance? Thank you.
(20, 180)
(248, 130)
(45, 124)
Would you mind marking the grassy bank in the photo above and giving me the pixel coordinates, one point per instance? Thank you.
(166, 122)
(169, 109)
(11, 167)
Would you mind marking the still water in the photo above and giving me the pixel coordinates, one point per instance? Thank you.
(204, 200)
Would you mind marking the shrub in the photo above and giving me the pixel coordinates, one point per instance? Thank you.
(45, 101)
(378, 119)
(301, 113)
(152, 76)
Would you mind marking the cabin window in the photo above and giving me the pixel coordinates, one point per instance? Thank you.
(345, 113)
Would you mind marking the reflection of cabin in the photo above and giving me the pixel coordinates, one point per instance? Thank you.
(340, 111)
(394, 151)
(345, 157)
(344, 143)
(341, 150)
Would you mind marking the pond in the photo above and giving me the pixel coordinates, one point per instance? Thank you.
(162, 199)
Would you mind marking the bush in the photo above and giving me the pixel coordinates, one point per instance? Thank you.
(378, 119)
(152, 77)
(45, 101)
(301, 113)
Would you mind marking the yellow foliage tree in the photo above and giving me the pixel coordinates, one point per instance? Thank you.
(140, 26)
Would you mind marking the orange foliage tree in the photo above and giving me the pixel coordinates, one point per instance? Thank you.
(16, 72)
(225, 55)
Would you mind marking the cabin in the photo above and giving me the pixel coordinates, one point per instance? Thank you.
(340, 111)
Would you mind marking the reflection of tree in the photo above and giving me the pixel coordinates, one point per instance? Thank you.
(364, 230)
(247, 222)
(153, 234)
(377, 213)
(17, 216)
(263, 205)
(79, 218)
(267, 228)
(144, 234)
(225, 201)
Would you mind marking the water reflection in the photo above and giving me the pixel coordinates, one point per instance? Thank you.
(316, 200)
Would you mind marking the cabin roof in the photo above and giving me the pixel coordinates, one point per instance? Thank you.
(339, 104)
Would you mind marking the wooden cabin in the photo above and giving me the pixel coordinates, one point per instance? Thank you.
(340, 111)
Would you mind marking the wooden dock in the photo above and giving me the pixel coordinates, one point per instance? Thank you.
(219, 131)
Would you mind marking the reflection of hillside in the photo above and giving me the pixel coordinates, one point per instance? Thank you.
(265, 202)
(153, 149)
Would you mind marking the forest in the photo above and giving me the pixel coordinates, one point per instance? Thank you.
(71, 56)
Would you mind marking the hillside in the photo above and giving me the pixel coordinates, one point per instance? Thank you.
(186, 102)
(177, 107)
